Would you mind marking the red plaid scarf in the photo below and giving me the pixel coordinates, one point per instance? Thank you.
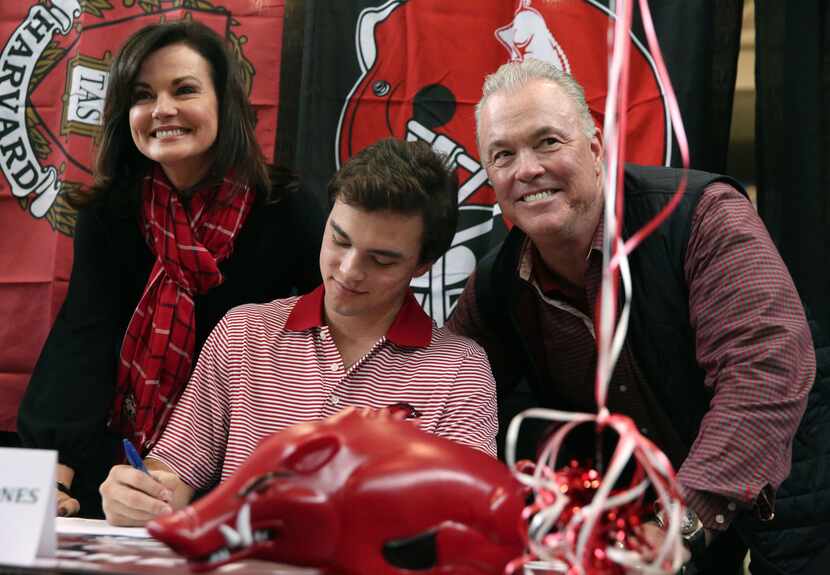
(157, 352)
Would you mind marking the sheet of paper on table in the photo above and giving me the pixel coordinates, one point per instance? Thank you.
(88, 546)
(78, 526)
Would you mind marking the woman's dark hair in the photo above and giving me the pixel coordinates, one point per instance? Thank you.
(119, 164)
(407, 178)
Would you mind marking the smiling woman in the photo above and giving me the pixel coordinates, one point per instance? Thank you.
(173, 118)
(184, 221)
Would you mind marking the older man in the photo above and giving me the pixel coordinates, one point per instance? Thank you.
(719, 359)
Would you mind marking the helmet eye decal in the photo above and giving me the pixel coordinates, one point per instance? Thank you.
(433, 106)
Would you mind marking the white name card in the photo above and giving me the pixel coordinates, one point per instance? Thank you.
(27, 505)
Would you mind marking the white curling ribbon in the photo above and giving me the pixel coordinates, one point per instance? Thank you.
(571, 541)
(657, 473)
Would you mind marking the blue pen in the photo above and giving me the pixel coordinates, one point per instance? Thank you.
(133, 457)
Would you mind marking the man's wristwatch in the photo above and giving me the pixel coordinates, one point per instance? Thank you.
(691, 529)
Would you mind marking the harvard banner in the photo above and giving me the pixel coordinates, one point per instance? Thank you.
(414, 69)
(54, 58)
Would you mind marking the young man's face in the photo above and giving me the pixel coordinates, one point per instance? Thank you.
(367, 261)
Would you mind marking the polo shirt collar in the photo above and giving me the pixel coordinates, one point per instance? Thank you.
(412, 327)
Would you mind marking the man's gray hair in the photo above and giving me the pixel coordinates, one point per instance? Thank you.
(515, 75)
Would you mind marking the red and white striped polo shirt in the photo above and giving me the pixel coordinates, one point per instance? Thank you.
(268, 366)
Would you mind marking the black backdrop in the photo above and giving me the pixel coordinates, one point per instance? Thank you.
(792, 142)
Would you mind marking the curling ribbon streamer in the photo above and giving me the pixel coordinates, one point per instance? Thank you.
(573, 545)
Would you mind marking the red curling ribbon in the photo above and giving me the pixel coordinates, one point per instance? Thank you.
(584, 521)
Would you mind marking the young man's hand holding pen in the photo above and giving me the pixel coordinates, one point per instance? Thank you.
(133, 494)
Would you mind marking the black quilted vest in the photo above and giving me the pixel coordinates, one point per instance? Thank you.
(797, 539)
(659, 326)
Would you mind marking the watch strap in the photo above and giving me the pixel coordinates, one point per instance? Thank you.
(696, 543)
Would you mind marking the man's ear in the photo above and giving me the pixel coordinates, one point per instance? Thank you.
(597, 151)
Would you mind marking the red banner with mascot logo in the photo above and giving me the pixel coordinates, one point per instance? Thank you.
(414, 69)
(54, 60)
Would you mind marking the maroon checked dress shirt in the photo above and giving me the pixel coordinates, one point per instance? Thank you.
(752, 341)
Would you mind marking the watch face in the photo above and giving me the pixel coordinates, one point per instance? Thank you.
(690, 523)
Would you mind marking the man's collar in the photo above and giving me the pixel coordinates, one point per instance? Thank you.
(526, 252)
(599, 234)
(411, 327)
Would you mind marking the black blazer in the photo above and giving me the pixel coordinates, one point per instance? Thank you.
(68, 400)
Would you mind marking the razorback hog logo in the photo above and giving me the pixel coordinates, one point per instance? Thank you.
(361, 492)
(422, 67)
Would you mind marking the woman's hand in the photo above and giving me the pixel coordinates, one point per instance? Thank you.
(66, 504)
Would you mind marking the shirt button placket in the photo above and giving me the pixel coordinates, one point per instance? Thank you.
(334, 400)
